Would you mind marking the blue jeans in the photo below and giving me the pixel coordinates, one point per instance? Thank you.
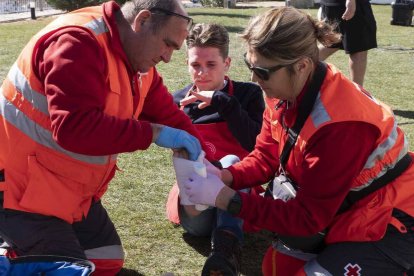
(213, 218)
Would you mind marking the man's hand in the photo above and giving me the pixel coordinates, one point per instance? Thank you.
(203, 190)
(350, 10)
(204, 96)
(173, 138)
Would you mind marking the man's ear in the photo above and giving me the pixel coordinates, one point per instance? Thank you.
(140, 19)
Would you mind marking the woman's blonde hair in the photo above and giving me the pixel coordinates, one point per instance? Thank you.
(286, 35)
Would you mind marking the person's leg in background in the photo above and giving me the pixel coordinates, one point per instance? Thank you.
(357, 63)
(100, 241)
(358, 66)
(325, 52)
(226, 239)
(359, 37)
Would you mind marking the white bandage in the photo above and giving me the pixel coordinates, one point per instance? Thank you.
(183, 169)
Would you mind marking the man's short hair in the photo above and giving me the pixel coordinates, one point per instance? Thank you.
(158, 20)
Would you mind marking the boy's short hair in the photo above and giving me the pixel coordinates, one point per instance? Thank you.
(209, 35)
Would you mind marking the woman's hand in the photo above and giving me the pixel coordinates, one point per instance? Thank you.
(203, 190)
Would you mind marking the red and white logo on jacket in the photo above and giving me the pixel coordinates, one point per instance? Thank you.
(352, 270)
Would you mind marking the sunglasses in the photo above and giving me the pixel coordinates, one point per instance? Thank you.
(167, 12)
(260, 72)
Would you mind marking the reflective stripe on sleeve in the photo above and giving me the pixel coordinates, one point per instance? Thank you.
(17, 78)
(40, 135)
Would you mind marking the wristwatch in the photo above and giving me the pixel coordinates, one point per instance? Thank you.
(235, 204)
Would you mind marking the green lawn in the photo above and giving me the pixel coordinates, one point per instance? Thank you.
(136, 197)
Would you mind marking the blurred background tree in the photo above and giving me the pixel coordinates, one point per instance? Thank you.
(211, 3)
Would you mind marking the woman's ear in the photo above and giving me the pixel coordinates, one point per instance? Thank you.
(303, 65)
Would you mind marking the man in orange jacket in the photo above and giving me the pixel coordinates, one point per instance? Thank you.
(82, 91)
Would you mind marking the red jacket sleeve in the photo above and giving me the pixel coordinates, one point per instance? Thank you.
(333, 158)
(261, 164)
(72, 68)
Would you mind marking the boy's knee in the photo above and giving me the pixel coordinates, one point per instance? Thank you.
(197, 229)
(201, 225)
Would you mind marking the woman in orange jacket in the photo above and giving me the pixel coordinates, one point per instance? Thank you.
(341, 199)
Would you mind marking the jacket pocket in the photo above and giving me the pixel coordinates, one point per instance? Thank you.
(58, 186)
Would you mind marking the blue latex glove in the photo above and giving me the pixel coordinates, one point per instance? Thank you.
(177, 139)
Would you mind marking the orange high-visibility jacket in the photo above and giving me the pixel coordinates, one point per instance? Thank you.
(41, 176)
(340, 100)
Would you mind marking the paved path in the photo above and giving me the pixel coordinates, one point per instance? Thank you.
(269, 4)
(10, 17)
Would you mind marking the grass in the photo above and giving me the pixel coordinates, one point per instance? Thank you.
(136, 197)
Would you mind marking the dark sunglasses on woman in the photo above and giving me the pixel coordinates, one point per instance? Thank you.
(261, 72)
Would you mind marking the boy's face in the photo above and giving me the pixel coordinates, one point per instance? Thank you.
(207, 67)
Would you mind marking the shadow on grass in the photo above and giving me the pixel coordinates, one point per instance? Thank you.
(129, 272)
(200, 244)
(255, 246)
(409, 114)
(396, 49)
(232, 29)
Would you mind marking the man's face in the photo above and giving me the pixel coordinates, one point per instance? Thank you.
(147, 48)
(207, 67)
